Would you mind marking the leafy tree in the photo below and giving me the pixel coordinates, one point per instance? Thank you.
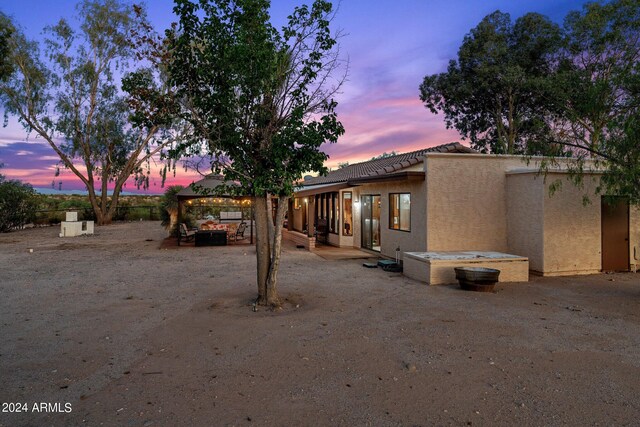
(492, 93)
(6, 31)
(18, 204)
(532, 88)
(71, 99)
(260, 103)
(385, 155)
(623, 160)
(597, 93)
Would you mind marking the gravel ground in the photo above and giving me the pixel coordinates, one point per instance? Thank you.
(111, 330)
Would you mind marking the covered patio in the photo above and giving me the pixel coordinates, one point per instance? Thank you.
(209, 215)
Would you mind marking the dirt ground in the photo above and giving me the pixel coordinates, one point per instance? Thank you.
(111, 330)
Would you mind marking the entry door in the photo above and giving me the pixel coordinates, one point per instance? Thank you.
(615, 234)
(371, 222)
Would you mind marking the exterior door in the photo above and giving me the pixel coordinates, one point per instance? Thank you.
(615, 234)
(371, 222)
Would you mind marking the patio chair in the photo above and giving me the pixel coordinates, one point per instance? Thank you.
(240, 232)
(231, 232)
(186, 234)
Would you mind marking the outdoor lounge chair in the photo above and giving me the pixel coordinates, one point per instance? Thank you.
(231, 232)
(186, 234)
(240, 232)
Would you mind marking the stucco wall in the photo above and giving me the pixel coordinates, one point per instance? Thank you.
(634, 237)
(467, 207)
(407, 241)
(480, 203)
(572, 230)
(297, 216)
(525, 218)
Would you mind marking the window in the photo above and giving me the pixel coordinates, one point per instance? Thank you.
(334, 213)
(347, 216)
(400, 211)
(296, 203)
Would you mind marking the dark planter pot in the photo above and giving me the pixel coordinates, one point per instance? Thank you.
(477, 279)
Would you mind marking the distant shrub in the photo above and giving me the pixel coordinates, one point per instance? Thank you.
(18, 204)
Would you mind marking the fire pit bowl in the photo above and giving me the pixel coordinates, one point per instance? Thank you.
(477, 279)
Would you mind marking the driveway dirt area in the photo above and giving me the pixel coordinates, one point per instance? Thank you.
(111, 330)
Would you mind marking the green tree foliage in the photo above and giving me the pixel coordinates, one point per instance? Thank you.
(492, 93)
(18, 204)
(534, 88)
(623, 164)
(596, 97)
(6, 31)
(260, 103)
(385, 155)
(71, 98)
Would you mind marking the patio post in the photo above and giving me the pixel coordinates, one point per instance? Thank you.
(179, 219)
(311, 208)
(253, 199)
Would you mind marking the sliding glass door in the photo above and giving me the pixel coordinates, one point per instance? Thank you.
(371, 222)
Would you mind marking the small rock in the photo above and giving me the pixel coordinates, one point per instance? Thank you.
(410, 367)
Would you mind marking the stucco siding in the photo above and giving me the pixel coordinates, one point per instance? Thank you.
(525, 218)
(407, 241)
(572, 230)
(297, 216)
(467, 207)
(634, 237)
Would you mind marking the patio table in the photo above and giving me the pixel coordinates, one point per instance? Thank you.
(211, 238)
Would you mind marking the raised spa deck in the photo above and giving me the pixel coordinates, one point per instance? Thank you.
(436, 268)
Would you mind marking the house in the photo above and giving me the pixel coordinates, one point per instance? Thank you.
(451, 198)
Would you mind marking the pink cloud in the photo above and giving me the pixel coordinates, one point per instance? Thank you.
(383, 124)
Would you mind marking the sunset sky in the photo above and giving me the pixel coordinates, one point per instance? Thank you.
(391, 45)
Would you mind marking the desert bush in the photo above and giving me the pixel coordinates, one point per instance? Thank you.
(18, 204)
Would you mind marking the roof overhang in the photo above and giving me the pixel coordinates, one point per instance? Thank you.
(319, 189)
(210, 186)
(392, 177)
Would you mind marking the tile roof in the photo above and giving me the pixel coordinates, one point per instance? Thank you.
(385, 165)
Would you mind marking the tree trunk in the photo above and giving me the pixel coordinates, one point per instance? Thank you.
(173, 220)
(262, 247)
(270, 222)
(107, 215)
(512, 130)
(98, 212)
(276, 249)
